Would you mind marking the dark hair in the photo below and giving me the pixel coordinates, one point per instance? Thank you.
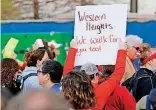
(27, 55)
(9, 67)
(107, 70)
(78, 90)
(54, 69)
(36, 55)
(49, 50)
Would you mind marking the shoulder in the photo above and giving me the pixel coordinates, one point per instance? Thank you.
(120, 90)
(141, 103)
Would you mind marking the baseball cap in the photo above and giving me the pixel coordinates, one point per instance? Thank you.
(39, 42)
(89, 68)
(56, 45)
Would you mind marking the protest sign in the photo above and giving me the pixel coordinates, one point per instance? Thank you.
(8, 51)
(98, 31)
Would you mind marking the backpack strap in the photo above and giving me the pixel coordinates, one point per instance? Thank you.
(29, 75)
(26, 77)
(148, 104)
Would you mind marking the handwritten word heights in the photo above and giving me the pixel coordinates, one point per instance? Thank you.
(99, 27)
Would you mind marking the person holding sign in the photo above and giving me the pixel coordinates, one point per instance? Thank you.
(133, 53)
(90, 95)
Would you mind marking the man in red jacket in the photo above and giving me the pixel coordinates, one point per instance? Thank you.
(102, 91)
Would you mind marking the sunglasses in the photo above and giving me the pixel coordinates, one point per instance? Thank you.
(137, 48)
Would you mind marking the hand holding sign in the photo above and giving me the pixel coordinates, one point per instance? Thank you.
(98, 31)
(123, 45)
(73, 44)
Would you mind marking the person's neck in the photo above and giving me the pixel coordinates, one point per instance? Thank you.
(129, 57)
(49, 84)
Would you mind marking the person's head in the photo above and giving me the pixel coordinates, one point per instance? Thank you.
(36, 99)
(148, 57)
(9, 67)
(38, 44)
(133, 44)
(37, 57)
(78, 90)
(107, 71)
(50, 72)
(92, 71)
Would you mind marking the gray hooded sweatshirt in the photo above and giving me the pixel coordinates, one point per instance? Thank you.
(32, 81)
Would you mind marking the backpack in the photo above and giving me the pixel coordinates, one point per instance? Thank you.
(142, 76)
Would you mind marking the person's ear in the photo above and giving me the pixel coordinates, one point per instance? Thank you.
(47, 76)
(96, 78)
(39, 63)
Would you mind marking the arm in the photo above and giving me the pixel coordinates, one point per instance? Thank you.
(69, 64)
(128, 100)
(106, 88)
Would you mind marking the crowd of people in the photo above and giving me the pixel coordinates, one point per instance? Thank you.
(42, 83)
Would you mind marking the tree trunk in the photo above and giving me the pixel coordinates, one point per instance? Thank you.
(36, 9)
(134, 6)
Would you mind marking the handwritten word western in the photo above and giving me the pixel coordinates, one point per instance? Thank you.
(85, 17)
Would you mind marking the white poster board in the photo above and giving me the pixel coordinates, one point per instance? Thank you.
(98, 31)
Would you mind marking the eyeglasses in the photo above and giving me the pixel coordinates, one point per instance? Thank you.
(137, 48)
(39, 71)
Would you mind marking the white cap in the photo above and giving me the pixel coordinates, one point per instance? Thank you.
(56, 45)
(39, 42)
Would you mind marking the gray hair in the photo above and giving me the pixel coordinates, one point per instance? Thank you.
(38, 99)
(132, 40)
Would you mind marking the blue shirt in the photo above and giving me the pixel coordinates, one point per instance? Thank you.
(56, 88)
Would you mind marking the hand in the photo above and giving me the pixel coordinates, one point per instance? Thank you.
(122, 45)
(14, 56)
(73, 44)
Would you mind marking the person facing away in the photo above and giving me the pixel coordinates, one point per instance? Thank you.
(120, 99)
(9, 69)
(133, 43)
(38, 99)
(147, 68)
(30, 79)
(50, 74)
(38, 44)
(81, 88)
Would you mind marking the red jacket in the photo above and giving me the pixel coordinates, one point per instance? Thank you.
(120, 99)
(103, 90)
